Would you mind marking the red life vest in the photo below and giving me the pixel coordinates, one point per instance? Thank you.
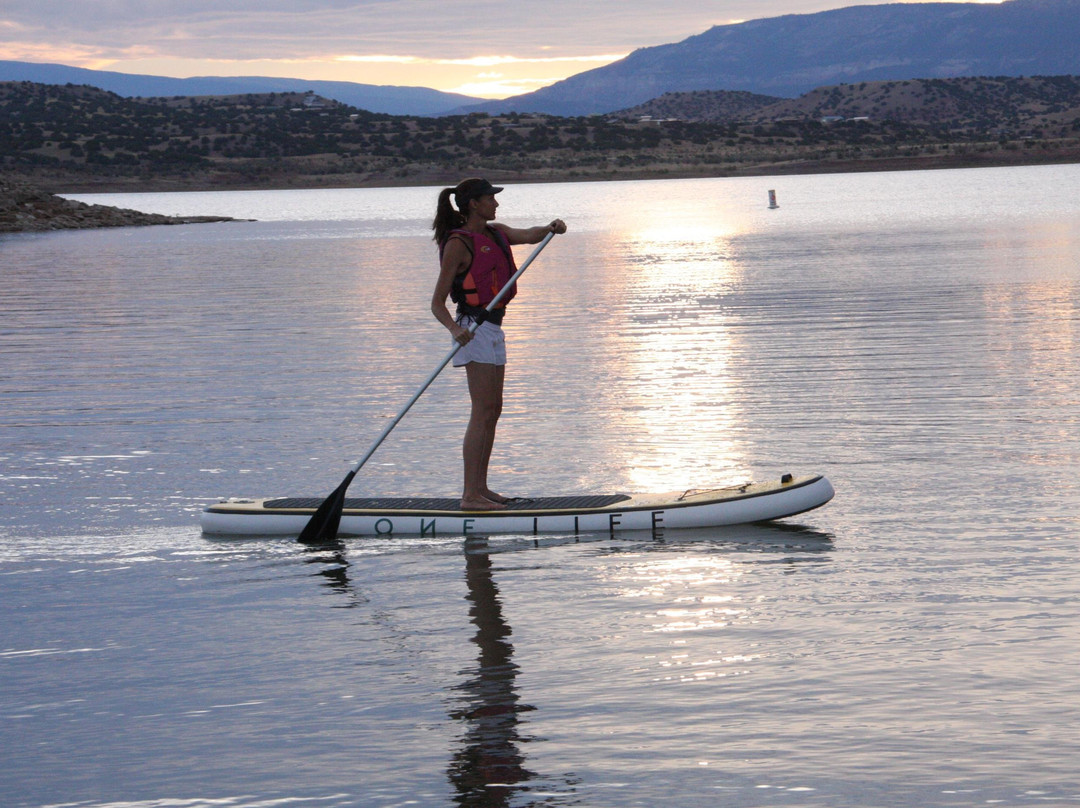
(490, 270)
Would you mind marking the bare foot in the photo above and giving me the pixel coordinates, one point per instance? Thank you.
(489, 494)
(481, 504)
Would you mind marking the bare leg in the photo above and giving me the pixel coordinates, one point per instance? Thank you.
(486, 392)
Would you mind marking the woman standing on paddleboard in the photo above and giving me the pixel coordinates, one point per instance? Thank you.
(475, 262)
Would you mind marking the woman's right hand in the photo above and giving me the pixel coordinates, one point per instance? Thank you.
(462, 335)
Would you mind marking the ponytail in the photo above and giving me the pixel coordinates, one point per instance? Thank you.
(446, 217)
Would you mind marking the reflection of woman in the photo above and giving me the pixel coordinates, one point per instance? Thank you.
(489, 768)
(475, 263)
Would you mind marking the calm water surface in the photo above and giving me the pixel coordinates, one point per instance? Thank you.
(913, 336)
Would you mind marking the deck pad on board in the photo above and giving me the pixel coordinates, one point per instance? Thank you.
(443, 504)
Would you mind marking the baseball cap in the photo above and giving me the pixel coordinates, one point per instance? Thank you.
(473, 188)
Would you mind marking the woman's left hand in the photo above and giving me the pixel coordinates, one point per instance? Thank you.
(558, 227)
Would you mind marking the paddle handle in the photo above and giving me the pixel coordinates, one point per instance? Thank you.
(446, 360)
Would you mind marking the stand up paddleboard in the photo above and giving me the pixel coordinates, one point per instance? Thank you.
(733, 505)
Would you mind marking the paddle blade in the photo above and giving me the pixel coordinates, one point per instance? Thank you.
(322, 528)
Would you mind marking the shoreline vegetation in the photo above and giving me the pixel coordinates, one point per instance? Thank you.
(76, 139)
(26, 207)
(418, 175)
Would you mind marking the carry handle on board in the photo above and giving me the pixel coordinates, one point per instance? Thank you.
(322, 528)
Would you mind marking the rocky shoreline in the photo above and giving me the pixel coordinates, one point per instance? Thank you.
(24, 208)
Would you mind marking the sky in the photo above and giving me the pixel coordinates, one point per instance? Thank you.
(486, 48)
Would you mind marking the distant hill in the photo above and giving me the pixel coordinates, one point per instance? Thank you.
(791, 55)
(373, 98)
(64, 138)
(1045, 105)
(702, 105)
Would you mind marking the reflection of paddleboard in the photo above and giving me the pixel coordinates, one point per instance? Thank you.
(417, 516)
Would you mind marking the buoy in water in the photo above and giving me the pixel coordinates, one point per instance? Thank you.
(772, 200)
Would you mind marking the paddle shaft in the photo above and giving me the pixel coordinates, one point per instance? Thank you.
(457, 347)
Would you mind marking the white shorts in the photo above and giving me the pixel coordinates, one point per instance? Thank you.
(488, 345)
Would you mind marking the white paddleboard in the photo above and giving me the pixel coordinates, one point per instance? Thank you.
(429, 516)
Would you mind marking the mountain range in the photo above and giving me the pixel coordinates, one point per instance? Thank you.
(793, 54)
(389, 100)
(783, 56)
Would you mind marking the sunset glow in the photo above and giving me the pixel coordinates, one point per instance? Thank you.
(388, 43)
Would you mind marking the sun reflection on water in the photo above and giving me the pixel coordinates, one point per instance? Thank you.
(696, 595)
(679, 398)
(681, 578)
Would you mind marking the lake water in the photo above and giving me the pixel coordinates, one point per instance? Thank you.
(913, 336)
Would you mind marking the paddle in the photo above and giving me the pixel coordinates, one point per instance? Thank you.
(322, 528)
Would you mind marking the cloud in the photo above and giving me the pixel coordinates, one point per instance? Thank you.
(500, 85)
(201, 29)
(483, 61)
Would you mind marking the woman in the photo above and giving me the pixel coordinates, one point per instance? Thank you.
(475, 263)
